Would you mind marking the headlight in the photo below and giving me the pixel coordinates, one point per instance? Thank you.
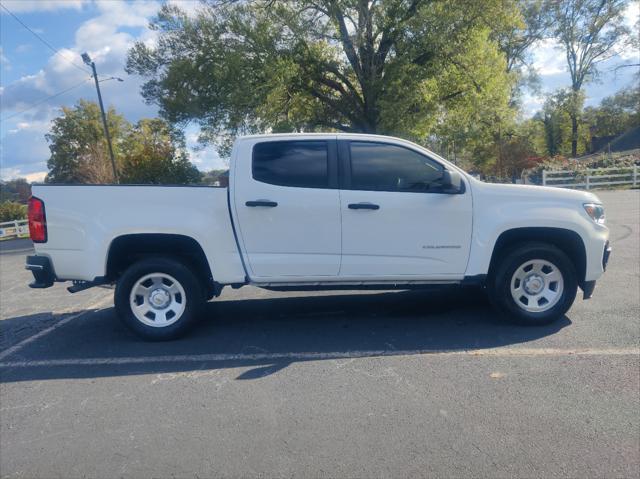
(595, 211)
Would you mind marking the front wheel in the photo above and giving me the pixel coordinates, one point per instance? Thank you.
(534, 284)
(158, 298)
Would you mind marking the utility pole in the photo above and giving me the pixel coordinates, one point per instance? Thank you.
(87, 60)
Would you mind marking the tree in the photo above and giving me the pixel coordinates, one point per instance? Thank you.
(615, 114)
(15, 190)
(148, 152)
(398, 66)
(497, 143)
(556, 117)
(153, 153)
(215, 177)
(589, 31)
(78, 146)
(515, 42)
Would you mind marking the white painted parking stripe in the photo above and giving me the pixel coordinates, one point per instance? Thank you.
(8, 352)
(311, 356)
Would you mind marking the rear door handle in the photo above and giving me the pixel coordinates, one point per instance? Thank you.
(268, 203)
(363, 206)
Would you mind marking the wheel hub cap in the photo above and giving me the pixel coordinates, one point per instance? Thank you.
(537, 285)
(159, 298)
(534, 284)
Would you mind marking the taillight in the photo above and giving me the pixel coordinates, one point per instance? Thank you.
(37, 220)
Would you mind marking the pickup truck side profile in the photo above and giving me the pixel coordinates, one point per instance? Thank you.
(319, 211)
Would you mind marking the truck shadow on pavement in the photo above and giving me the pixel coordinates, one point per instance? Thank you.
(266, 334)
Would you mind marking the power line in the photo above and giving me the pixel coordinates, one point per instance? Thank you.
(47, 99)
(51, 47)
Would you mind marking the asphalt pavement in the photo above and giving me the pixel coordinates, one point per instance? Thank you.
(348, 384)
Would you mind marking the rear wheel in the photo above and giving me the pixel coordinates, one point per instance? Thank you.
(534, 284)
(158, 298)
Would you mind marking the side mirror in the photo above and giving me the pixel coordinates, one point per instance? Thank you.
(452, 182)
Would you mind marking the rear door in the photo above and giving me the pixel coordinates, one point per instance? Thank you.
(287, 207)
(396, 222)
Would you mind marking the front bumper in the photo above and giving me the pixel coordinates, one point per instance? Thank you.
(605, 255)
(587, 289)
(42, 270)
(589, 286)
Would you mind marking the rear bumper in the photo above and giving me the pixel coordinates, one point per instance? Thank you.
(42, 270)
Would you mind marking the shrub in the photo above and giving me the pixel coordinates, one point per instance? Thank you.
(579, 166)
(10, 210)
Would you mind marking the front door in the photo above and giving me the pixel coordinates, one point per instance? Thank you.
(396, 223)
(287, 207)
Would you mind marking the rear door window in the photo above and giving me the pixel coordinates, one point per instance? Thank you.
(302, 164)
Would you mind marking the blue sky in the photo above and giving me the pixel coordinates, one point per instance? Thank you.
(106, 29)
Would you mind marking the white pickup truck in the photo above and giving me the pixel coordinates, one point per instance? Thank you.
(319, 211)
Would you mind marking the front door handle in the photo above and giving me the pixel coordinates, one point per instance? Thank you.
(268, 203)
(363, 206)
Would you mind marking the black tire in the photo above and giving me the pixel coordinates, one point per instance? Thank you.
(194, 298)
(499, 283)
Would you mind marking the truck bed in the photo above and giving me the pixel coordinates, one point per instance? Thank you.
(83, 220)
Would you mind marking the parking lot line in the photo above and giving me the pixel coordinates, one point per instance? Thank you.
(44, 332)
(311, 356)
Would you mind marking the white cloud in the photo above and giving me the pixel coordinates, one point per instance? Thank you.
(37, 177)
(7, 174)
(190, 7)
(23, 125)
(548, 58)
(4, 61)
(17, 6)
(24, 149)
(631, 20)
(106, 37)
(632, 13)
(205, 158)
(531, 104)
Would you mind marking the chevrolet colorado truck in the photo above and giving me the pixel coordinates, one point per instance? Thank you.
(319, 211)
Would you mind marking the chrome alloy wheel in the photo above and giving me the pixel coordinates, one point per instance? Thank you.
(157, 300)
(537, 285)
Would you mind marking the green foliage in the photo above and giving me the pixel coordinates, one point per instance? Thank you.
(615, 114)
(10, 211)
(588, 30)
(580, 166)
(444, 73)
(153, 153)
(18, 190)
(556, 117)
(553, 135)
(78, 146)
(147, 152)
(534, 24)
(410, 68)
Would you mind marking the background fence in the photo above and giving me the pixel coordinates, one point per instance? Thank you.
(592, 178)
(14, 229)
